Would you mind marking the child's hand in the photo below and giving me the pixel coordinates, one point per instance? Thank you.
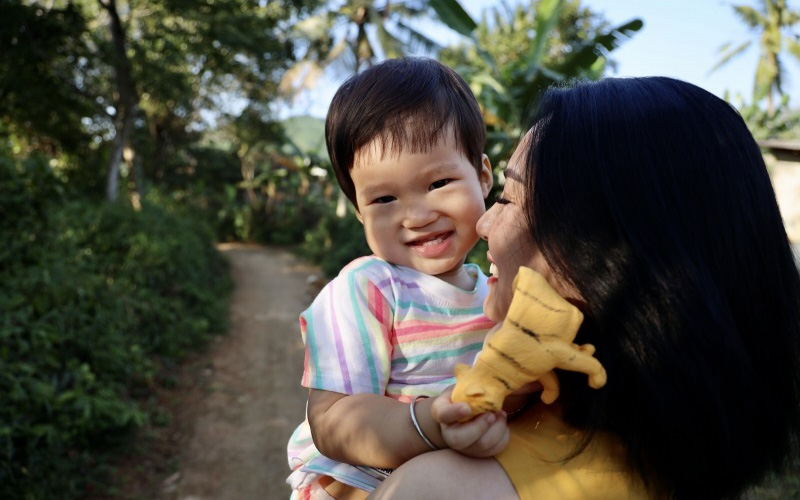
(484, 436)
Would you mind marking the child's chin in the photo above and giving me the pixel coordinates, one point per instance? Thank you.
(439, 269)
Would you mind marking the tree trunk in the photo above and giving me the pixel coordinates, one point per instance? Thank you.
(127, 100)
(158, 155)
(137, 187)
(118, 147)
(248, 174)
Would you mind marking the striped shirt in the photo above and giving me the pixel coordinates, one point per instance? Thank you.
(384, 329)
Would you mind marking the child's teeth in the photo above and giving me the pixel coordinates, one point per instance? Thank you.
(492, 269)
(434, 241)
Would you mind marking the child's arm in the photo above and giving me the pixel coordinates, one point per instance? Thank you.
(375, 430)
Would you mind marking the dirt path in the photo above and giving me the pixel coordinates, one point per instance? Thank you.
(235, 436)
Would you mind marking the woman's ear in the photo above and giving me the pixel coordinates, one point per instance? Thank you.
(486, 177)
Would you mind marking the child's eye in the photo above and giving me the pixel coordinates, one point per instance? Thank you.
(384, 199)
(439, 184)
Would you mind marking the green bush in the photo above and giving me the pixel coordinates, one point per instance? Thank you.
(94, 298)
(334, 242)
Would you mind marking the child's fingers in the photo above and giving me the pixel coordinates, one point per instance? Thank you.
(493, 441)
(446, 412)
(463, 436)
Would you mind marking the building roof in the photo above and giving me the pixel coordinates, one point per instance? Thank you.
(780, 145)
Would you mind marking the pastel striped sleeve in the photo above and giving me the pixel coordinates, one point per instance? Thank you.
(347, 331)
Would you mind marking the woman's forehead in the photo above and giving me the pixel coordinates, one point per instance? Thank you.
(517, 160)
(516, 165)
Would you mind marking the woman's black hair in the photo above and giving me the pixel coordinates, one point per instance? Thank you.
(408, 104)
(651, 197)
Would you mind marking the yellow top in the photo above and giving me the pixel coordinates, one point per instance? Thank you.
(540, 440)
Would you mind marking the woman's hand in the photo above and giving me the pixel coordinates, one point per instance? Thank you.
(484, 436)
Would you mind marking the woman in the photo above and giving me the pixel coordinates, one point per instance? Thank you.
(645, 202)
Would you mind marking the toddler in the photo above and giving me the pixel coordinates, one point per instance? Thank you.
(405, 138)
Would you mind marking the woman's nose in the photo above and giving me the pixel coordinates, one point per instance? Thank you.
(485, 223)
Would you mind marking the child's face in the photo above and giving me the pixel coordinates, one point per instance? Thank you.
(419, 210)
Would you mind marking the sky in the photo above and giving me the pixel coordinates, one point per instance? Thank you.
(680, 39)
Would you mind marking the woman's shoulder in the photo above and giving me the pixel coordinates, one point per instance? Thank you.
(540, 463)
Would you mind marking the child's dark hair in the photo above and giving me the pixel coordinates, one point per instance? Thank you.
(408, 104)
(651, 197)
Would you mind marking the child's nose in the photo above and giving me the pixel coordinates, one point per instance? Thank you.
(418, 215)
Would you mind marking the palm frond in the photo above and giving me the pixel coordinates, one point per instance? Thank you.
(415, 40)
(451, 13)
(751, 17)
(547, 15)
(765, 73)
(585, 57)
(730, 54)
(793, 46)
(391, 46)
(780, 75)
(724, 47)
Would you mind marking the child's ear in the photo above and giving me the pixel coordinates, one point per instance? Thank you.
(485, 177)
(359, 217)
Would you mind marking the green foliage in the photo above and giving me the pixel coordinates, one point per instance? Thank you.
(451, 13)
(780, 123)
(353, 36)
(94, 297)
(517, 53)
(258, 180)
(40, 88)
(775, 25)
(64, 90)
(307, 134)
(335, 241)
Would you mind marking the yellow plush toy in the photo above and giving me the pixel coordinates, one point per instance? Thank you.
(535, 338)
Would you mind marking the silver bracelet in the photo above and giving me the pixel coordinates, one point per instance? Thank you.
(413, 414)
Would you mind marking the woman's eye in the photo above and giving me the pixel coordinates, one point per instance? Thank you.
(383, 199)
(503, 201)
(439, 184)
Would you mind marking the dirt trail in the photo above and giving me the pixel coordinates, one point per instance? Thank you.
(235, 440)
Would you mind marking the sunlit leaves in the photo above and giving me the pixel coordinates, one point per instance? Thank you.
(353, 35)
(774, 25)
(519, 51)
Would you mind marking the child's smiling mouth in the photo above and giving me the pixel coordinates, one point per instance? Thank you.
(433, 245)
